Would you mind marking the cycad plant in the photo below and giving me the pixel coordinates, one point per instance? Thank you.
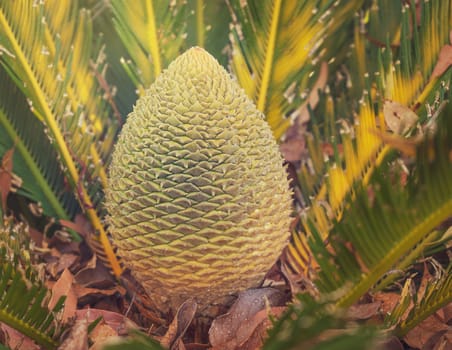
(356, 93)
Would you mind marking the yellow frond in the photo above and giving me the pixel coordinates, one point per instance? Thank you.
(403, 76)
(152, 34)
(53, 71)
(276, 50)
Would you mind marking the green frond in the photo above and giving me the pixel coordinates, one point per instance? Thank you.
(375, 233)
(276, 50)
(414, 306)
(50, 63)
(23, 297)
(397, 78)
(431, 239)
(153, 32)
(438, 293)
(316, 324)
(400, 74)
(208, 24)
(117, 86)
(35, 160)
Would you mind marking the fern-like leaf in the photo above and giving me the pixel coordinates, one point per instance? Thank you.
(208, 25)
(35, 160)
(437, 294)
(48, 58)
(275, 52)
(316, 324)
(23, 297)
(153, 32)
(377, 232)
(401, 74)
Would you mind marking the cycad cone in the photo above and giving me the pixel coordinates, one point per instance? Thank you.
(198, 199)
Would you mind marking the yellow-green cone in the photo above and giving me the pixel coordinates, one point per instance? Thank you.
(198, 199)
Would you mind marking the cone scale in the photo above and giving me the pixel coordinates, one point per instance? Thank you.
(198, 199)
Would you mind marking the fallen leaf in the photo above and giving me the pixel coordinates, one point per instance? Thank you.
(95, 275)
(100, 298)
(100, 335)
(78, 337)
(428, 333)
(16, 340)
(63, 246)
(64, 287)
(82, 292)
(363, 311)
(399, 118)
(447, 310)
(392, 343)
(120, 323)
(80, 225)
(444, 59)
(65, 261)
(179, 325)
(426, 280)
(254, 331)
(230, 331)
(388, 301)
(6, 177)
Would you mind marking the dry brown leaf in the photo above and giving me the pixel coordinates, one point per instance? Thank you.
(78, 337)
(16, 340)
(6, 177)
(64, 287)
(392, 343)
(388, 301)
(444, 59)
(236, 328)
(65, 261)
(80, 225)
(101, 334)
(447, 311)
(399, 118)
(255, 329)
(363, 311)
(179, 325)
(83, 292)
(95, 275)
(431, 332)
(427, 279)
(118, 322)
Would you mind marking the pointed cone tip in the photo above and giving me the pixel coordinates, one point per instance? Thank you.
(197, 52)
